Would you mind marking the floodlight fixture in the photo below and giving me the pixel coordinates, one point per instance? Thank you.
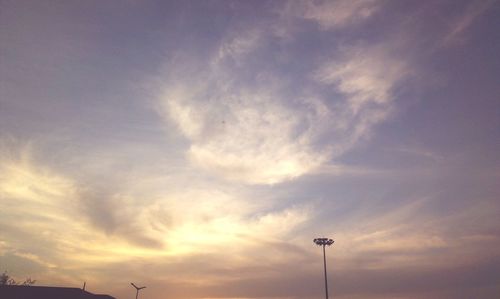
(324, 242)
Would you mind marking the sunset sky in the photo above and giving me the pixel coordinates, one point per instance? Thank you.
(198, 147)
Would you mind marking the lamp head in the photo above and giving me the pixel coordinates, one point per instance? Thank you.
(323, 241)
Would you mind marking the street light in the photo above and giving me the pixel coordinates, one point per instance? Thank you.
(324, 242)
(137, 289)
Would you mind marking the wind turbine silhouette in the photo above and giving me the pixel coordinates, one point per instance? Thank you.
(137, 289)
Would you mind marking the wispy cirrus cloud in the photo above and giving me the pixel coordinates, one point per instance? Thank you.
(365, 74)
(256, 139)
(458, 27)
(238, 44)
(244, 128)
(243, 124)
(252, 100)
(366, 77)
(334, 14)
(118, 225)
(407, 235)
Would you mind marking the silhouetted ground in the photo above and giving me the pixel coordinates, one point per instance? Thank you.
(39, 292)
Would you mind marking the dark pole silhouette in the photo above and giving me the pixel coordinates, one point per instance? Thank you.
(137, 289)
(324, 242)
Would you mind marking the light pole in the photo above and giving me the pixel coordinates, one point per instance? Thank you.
(324, 242)
(137, 289)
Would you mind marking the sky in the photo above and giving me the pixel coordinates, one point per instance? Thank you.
(198, 147)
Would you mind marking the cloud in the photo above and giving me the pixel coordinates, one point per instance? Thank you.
(23, 185)
(92, 228)
(366, 76)
(349, 171)
(335, 14)
(243, 123)
(408, 235)
(213, 220)
(236, 47)
(419, 152)
(43, 211)
(462, 23)
(204, 210)
(242, 133)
